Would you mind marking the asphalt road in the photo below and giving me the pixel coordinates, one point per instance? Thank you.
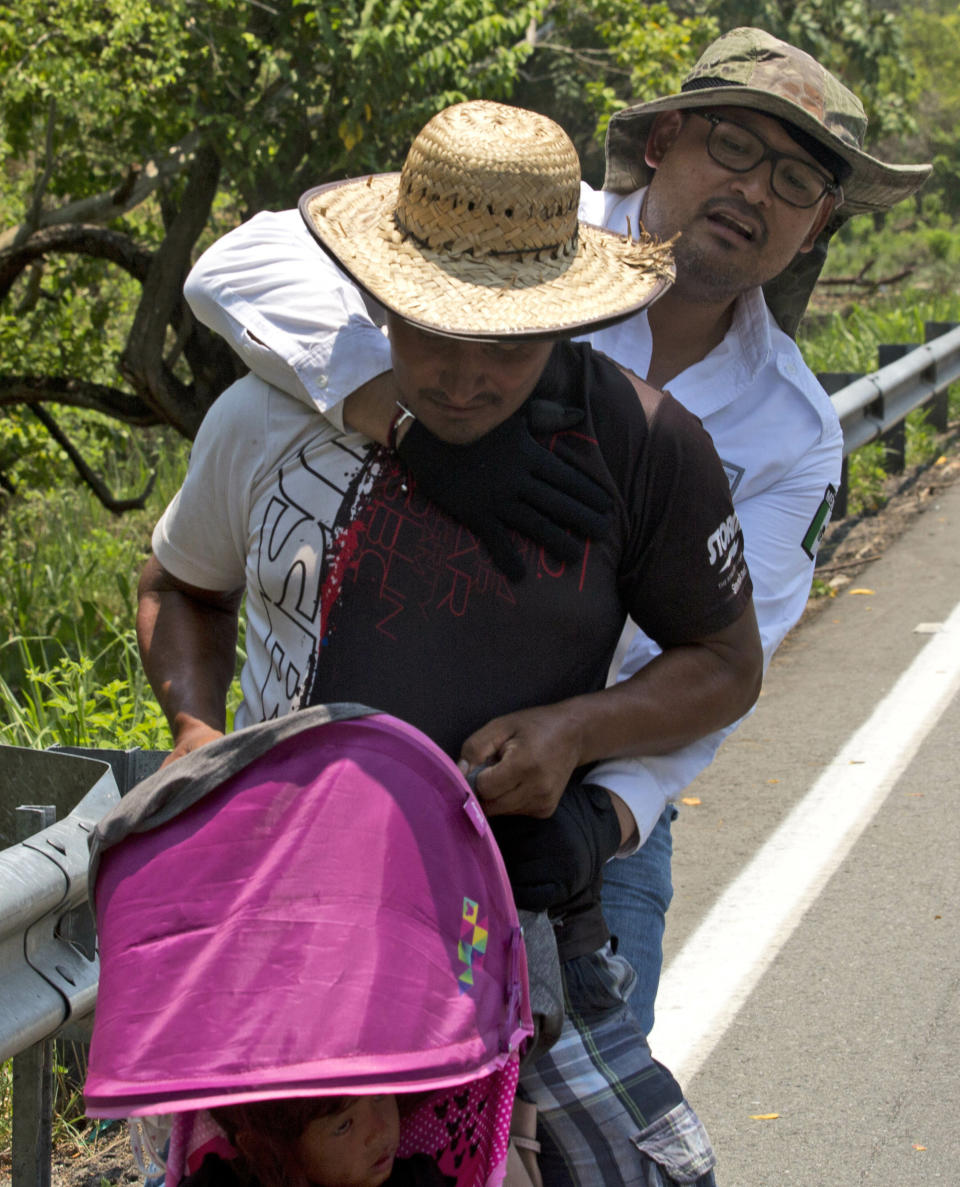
(812, 965)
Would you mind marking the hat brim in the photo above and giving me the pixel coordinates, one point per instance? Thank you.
(871, 186)
(534, 295)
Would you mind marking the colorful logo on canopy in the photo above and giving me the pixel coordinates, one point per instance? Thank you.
(473, 942)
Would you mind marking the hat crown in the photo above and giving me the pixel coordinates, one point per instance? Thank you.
(479, 236)
(485, 179)
(754, 58)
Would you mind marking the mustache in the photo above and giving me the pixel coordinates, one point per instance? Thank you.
(438, 396)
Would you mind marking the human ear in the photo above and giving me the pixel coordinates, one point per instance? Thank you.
(826, 209)
(663, 132)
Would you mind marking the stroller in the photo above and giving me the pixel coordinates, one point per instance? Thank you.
(310, 907)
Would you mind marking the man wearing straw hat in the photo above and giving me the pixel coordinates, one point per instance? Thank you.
(360, 588)
(756, 162)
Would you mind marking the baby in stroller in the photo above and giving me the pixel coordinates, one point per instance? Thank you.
(345, 1141)
(311, 961)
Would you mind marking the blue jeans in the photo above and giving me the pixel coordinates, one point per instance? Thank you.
(636, 894)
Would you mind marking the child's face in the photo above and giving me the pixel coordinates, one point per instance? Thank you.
(354, 1147)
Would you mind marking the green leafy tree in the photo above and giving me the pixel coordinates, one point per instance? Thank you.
(131, 129)
(592, 57)
(932, 38)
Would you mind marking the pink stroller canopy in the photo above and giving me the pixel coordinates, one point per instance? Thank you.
(309, 907)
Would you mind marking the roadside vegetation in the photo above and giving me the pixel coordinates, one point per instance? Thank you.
(883, 284)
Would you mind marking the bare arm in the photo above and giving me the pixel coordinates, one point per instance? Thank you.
(686, 692)
(188, 642)
(371, 409)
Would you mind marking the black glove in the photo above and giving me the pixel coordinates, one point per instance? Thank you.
(507, 480)
(551, 861)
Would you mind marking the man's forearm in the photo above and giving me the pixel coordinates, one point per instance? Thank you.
(680, 696)
(286, 308)
(625, 818)
(372, 409)
(188, 647)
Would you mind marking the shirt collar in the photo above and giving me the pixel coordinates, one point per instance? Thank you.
(751, 330)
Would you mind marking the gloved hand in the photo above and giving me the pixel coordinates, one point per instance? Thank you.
(550, 861)
(507, 480)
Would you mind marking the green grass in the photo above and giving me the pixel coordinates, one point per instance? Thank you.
(71, 1127)
(6, 1104)
(73, 703)
(69, 672)
(69, 669)
(848, 340)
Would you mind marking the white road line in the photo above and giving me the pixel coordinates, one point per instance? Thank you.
(712, 976)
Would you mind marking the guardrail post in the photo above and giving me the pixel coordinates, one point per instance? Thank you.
(938, 406)
(833, 381)
(48, 961)
(33, 1068)
(894, 440)
(129, 766)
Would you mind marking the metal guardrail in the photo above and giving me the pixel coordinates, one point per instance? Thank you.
(48, 965)
(875, 406)
(49, 968)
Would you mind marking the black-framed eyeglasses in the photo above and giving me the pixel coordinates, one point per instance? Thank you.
(739, 149)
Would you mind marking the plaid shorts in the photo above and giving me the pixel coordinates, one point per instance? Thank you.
(608, 1113)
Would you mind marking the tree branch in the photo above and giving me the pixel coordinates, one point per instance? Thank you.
(160, 396)
(862, 281)
(161, 305)
(80, 239)
(139, 183)
(34, 390)
(117, 506)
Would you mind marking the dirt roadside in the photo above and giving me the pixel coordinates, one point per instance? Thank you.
(849, 545)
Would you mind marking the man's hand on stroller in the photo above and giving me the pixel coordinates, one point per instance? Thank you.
(527, 759)
(190, 735)
(551, 861)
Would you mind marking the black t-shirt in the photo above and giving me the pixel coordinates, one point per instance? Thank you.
(448, 656)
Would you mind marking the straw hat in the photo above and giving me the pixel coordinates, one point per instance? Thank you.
(478, 236)
(751, 68)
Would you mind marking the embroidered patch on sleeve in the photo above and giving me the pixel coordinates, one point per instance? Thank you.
(818, 525)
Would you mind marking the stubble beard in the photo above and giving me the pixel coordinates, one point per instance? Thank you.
(703, 279)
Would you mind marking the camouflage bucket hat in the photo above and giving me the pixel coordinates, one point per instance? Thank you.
(751, 68)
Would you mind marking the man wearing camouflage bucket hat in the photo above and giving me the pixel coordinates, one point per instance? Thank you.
(755, 163)
(360, 588)
(749, 255)
(753, 72)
